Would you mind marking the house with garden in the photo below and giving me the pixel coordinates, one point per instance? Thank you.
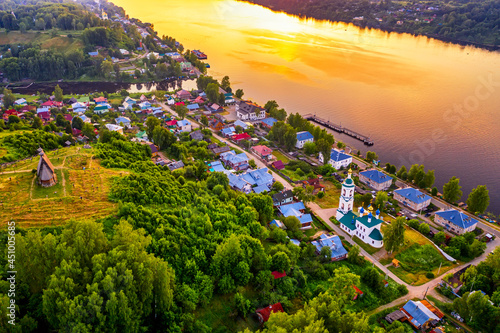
(302, 138)
(235, 161)
(334, 243)
(338, 159)
(263, 152)
(298, 210)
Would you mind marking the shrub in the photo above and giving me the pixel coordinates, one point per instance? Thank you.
(429, 275)
(321, 194)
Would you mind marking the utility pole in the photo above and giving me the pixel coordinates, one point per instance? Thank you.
(440, 267)
(426, 292)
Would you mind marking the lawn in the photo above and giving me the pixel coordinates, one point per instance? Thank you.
(331, 198)
(293, 175)
(280, 156)
(371, 250)
(56, 191)
(417, 257)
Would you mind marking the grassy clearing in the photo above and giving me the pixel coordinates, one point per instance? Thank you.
(56, 191)
(221, 308)
(62, 44)
(371, 250)
(331, 198)
(280, 156)
(18, 38)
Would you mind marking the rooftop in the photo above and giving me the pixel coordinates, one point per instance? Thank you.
(413, 195)
(457, 218)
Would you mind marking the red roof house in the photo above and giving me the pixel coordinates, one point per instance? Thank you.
(358, 292)
(100, 99)
(68, 117)
(278, 165)
(278, 275)
(76, 132)
(172, 123)
(52, 104)
(265, 313)
(11, 112)
(241, 136)
(45, 115)
(199, 100)
(263, 151)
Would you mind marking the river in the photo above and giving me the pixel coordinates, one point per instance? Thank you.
(419, 99)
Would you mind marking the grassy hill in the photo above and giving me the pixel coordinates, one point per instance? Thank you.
(47, 41)
(79, 175)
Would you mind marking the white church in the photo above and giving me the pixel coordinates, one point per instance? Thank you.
(366, 226)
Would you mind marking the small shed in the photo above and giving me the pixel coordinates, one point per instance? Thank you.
(395, 263)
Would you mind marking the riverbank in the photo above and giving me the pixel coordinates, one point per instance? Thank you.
(82, 87)
(417, 19)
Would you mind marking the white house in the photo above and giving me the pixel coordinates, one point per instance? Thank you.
(338, 159)
(302, 138)
(114, 128)
(365, 226)
(412, 198)
(170, 100)
(249, 111)
(455, 221)
(183, 126)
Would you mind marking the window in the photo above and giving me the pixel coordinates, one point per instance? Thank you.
(373, 242)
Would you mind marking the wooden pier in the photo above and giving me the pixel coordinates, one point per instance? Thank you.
(338, 128)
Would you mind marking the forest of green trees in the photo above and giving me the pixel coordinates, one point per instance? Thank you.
(178, 242)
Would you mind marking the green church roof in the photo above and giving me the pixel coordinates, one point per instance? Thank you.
(347, 220)
(376, 235)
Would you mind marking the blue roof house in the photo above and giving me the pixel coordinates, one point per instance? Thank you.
(297, 209)
(123, 120)
(277, 223)
(238, 184)
(335, 245)
(412, 198)
(228, 131)
(235, 161)
(302, 138)
(455, 221)
(259, 177)
(192, 107)
(240, 123)
(338, 159)
(268, 122)
(376, 179)
(419, 315)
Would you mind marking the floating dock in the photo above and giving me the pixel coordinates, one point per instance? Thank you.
(338, 128)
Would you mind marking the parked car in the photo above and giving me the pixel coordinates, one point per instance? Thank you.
(427, 214)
